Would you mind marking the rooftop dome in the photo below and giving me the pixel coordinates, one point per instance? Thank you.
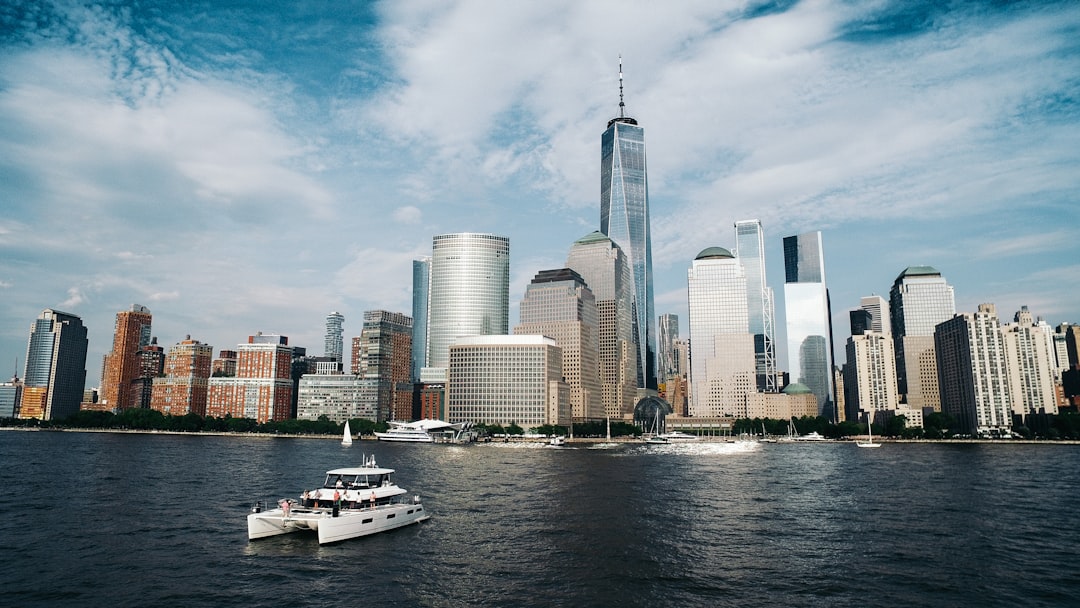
(714, 253)
(796, 388)
(592, 237)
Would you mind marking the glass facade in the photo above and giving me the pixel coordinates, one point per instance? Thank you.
(624, 217)
(668, 364)
(470, 291)
(722, 362)
(919, 300)
(421, 285)
(55, 366)
(334, 342)
(809, 319)
(750, 249)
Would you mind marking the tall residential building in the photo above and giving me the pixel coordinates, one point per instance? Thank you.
(809, 319)
(722, 358)
(121, 366)
(1030, 365)
(150, 362)
(507, 380)
(624, 217)
(606, 271)
(470, 291)
(385, 355)
(919, 300)
(668, 333)
(421, 287)
(972, 372)
(750, 251)
(55, 366)
(224, 365)
(558, 304)
(878, 307)
(263, 386)
(339, 397)
(334, 343)
(870, 383)
(183, 388)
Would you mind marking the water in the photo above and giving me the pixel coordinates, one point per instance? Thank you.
(159, 520)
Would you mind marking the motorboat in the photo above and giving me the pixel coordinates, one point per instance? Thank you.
(352, 502)
(557, 441)
(812, 436)
(425, 431)
(659, 439)
(678, 437)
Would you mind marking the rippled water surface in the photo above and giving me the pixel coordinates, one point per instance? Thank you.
(99, 519)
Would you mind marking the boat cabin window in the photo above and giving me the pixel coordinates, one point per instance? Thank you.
(340, 481)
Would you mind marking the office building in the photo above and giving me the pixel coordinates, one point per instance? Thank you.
(470, 291)
(919, 300)
(339, 397)
(723, 368)
(55, 366)
(667, 334)
(878, 307)
(385, 355)
(263, 386)
(1030, 366)
(507, 380)
(10, 397)
(624, 218)
(558, 304)
(334, 342)
(809, 319)
(598, 260)
(132, 332)
(183, 388)
(750, 251)
(421, 287)
(972, 372)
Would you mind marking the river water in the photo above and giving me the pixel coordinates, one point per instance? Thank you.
(109, 519)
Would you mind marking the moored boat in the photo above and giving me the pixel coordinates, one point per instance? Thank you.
(352, 502)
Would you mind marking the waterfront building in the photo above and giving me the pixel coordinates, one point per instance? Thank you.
(870, 375)
(667, 334)
(334, 342)
(794, 401)
(878, 308)
(919, 300)
(750, 251)
(224, 365)
(1072, 344)
(263, 386)
(10, 397)
(150, 363)
(809, 319)
(385, 355)
(603, 265)
(507, 380)
(972, 373)
(723, 368)
(339, 397)
(624, 218)
(183, 387)
(558, 304)
(421, 287)
(55, 372)
(470, 291)
(1030, 365)
(132, 333)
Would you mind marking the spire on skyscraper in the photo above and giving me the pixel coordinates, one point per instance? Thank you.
(622, 117)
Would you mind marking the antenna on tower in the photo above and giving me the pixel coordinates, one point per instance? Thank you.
(622, 106)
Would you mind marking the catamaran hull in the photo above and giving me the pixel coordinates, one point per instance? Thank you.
(350, 523)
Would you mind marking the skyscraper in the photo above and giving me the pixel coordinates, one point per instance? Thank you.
(750, 250)
(972, 372)
(809, 319)
(665, 356)
(722, 361)
(878, 308)
(919, 300)
(385, 355)
(470, 291)
(184, 387)
(121, 367)
(870, 373)
(263, 386)
(624, 217)
(421, 285)
(334, 344)
(1030, 365)
(607, 273)
(558, 304)
(55, 366)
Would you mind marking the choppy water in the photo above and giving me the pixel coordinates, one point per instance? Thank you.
(93, 519)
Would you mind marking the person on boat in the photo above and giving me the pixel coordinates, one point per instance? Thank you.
(339, 484)
(304, 498)
(373, 500)
(286, 506)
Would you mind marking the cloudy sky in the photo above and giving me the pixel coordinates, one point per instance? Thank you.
(251, 166)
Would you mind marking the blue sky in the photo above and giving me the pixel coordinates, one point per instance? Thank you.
(251, 166)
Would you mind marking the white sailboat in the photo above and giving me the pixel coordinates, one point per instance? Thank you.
(869, 443)
(346, 437)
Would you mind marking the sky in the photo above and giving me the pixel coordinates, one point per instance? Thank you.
(239, 167)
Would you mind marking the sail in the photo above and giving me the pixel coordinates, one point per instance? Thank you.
(346, 438)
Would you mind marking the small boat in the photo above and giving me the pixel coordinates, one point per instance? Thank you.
(811, 436)
(660, 439)
(346, 436)
(424, 431)
(678, 437)
(352, 502)
(557, 441)
(869, 443)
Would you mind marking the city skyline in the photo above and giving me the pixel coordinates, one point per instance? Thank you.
(235, 182)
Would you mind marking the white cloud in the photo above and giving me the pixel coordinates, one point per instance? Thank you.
(408, 215)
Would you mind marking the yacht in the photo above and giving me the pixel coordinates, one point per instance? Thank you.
(424, 431)
(352, 502)
(678, 437)
(812, 436)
